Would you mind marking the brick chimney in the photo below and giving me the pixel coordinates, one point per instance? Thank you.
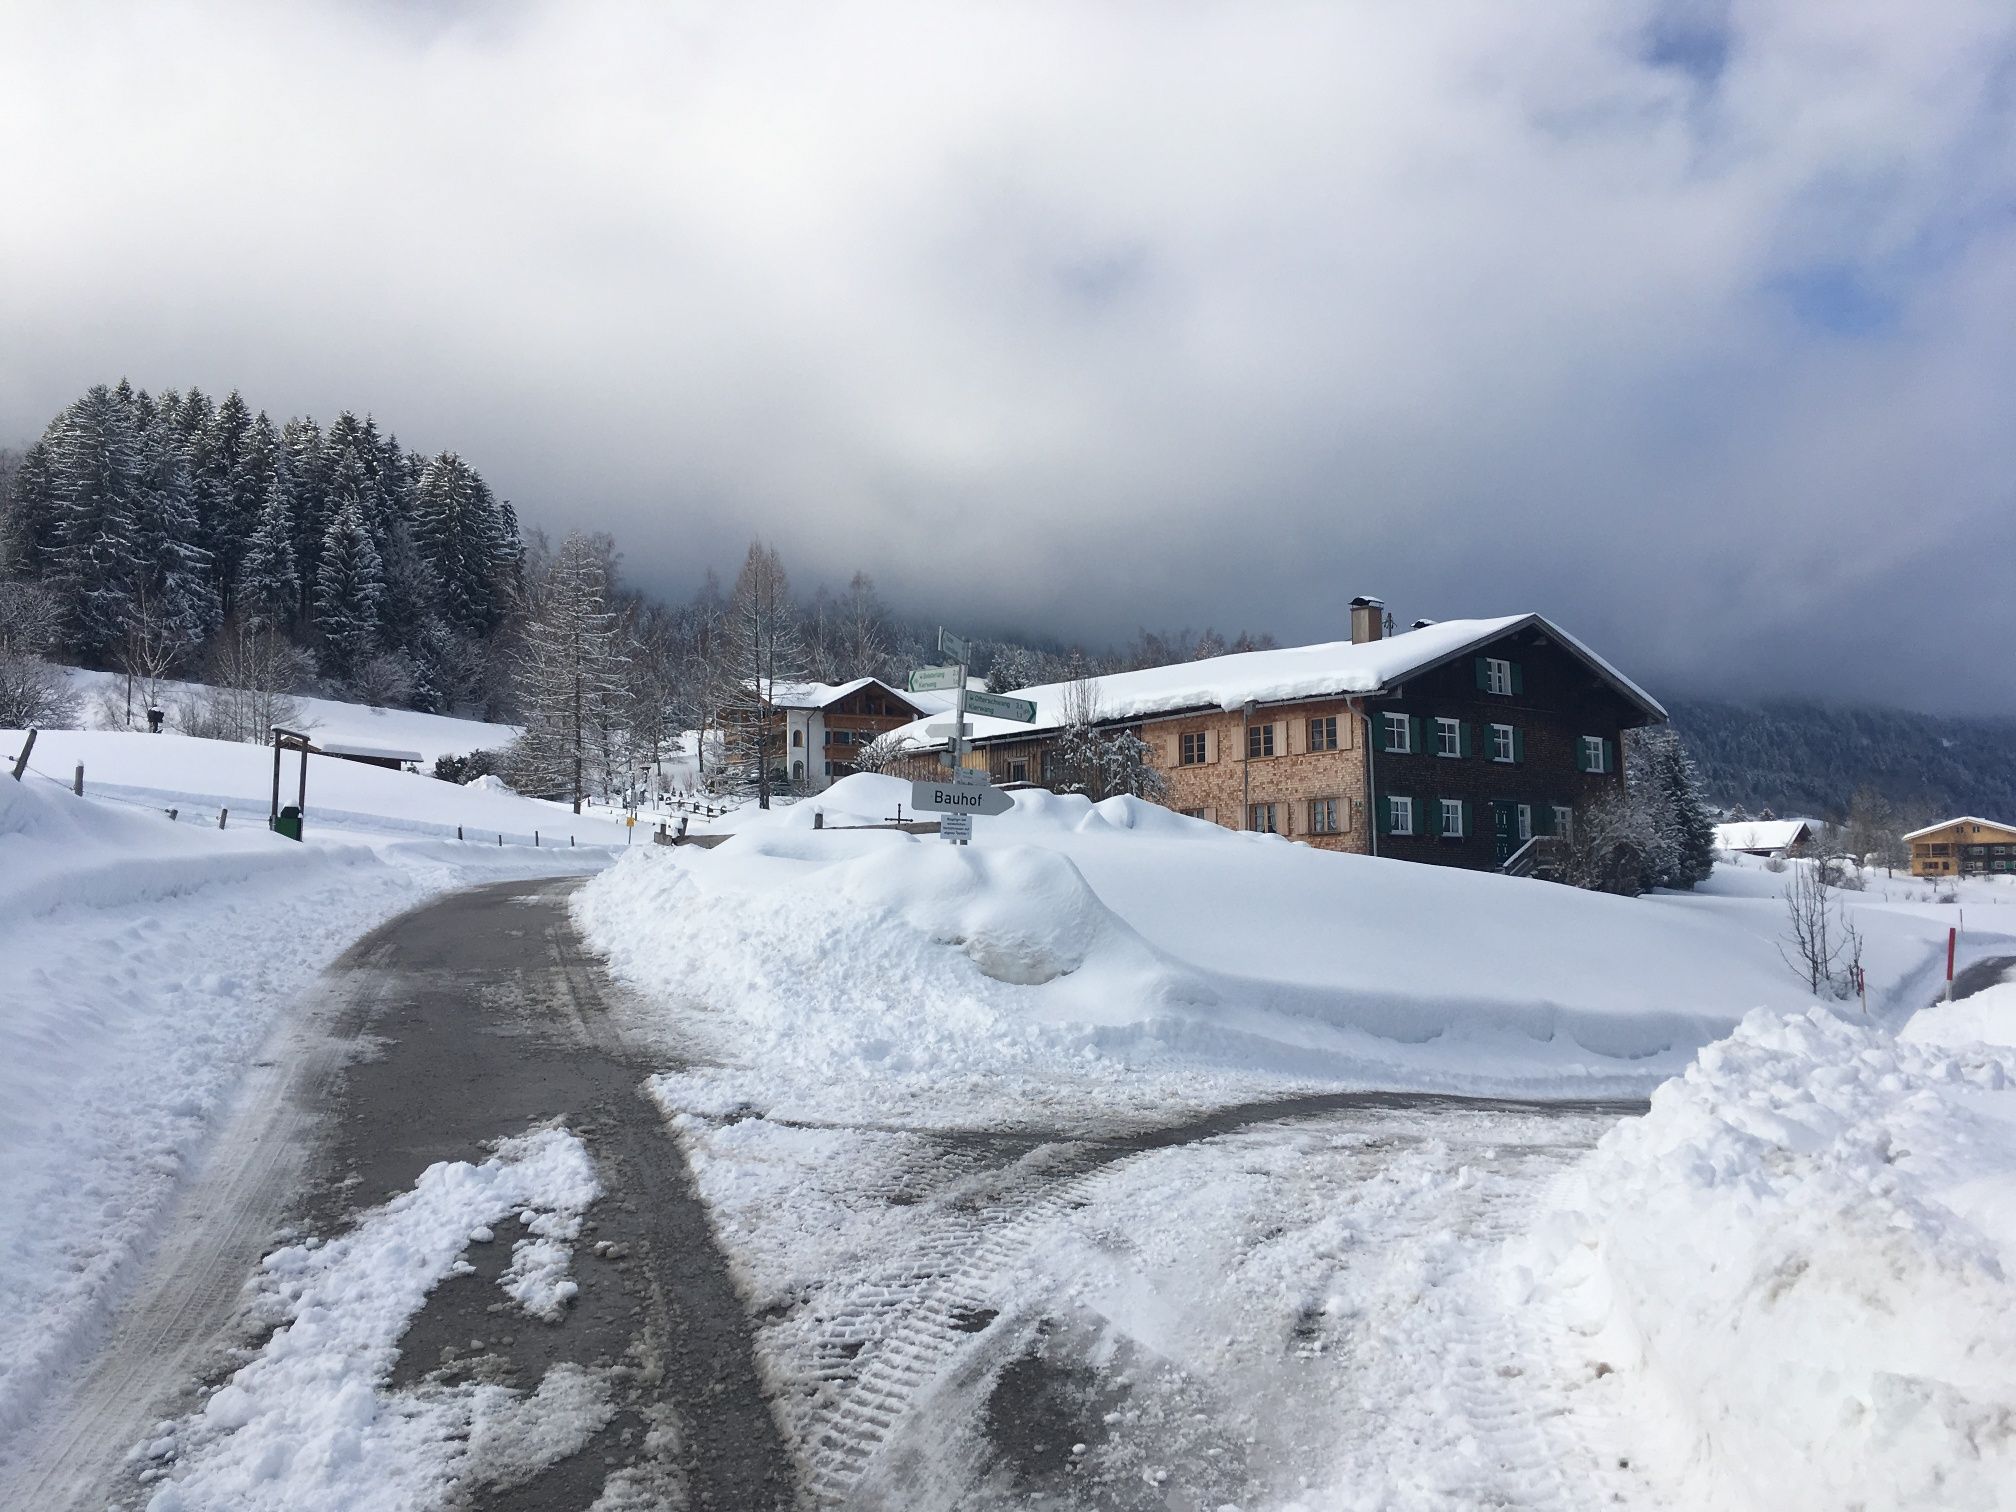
(1368, 619)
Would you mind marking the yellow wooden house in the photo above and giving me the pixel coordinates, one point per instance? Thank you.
(1963, 847)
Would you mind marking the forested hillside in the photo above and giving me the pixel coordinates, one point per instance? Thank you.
(154, 530)
(1803, 758)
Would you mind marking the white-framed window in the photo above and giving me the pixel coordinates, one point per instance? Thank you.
(1564, 820)
(1400, 816)
(1497, 675)
(1452, 817)
(1525, 822)
(1504, 743)
(1324, 814)
(1448, 737)
(1399, 734)
(1595, 754)
(1260, 817)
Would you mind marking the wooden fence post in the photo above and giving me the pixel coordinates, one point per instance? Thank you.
(21, 761)
(77, 782)
(222, 815)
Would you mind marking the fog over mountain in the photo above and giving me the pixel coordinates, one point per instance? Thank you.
(1684, 323)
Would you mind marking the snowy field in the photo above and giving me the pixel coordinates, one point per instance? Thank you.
(146, 965)
(101, 705)
(1788, 1286)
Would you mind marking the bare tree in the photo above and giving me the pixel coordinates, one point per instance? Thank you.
(1820, 944)
(569, 673)
(760, 648)
(32, 691)
(156, 641)
(252, 672)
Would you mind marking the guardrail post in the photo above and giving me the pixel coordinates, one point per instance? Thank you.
(77, 782)
(21, 761)
(222, 815)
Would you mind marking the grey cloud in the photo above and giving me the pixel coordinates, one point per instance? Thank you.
(1682, 322)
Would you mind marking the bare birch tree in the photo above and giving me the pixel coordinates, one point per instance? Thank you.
(760, 647)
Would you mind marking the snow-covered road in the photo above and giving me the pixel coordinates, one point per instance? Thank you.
(1245, 1307)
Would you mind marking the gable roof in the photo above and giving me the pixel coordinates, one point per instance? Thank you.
(818, 695)
(1933, 829)
(1761, 834)
(1289, 674)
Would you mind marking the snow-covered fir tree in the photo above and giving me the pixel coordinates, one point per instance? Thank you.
(347, 593)
(269, 581)
(97, 467)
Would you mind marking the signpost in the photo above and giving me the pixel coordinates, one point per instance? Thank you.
(959, 798)
(1018, 709)
(967, 792)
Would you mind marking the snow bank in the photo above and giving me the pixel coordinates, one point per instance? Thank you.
(309, 1422)
(1801, 1265)
(144, 967)
(1094, 943)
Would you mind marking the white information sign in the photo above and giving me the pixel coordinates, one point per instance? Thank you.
(958, 798)
(956, 827)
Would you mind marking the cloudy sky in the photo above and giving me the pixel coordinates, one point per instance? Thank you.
(1690, 324)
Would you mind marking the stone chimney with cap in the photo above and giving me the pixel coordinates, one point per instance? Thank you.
(1368, 619)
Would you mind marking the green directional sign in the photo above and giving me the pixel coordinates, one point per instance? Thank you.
(995, 707)
(934, 680)
(951, 644)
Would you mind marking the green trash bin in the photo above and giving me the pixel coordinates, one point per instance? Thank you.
(288, 823)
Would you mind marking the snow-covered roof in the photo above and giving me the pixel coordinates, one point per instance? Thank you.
(1933, 829)
(371, 752)
(1286, 674)
(1761, 834)
(818, 695)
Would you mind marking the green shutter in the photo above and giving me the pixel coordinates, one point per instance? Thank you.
(1581, 754)
(1466, 738)
(1414, 734)
(1382, 814)
(1469, 818)
(1518, 678)
(1483, 675)
(1431, 816)
(1609, 755)
(1543, 816)
(1518, 744)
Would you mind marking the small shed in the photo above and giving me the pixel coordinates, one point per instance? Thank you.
(378, 756)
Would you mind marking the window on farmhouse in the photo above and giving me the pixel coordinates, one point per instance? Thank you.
(1260, 817)
(1452, 818)
(1323, 817)
(1400, 816)
(1525, 822)
(1497, 675)
(1449, 737)
(1323, 733)
(1399, 734)
(1503, 746)
(1564, 821)
(1260, 740)
(1191, 748)
(1018, 771)
(1595, 754)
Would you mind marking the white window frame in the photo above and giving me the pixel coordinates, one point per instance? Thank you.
(1564, 821)
(1596, 751)
(1448, 732)
(1497, 675)
(1399, 735)
(1525, 822)
(1396, 808)
(1504, 743)
(1455, 830)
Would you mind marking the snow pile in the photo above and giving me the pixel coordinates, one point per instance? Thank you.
(1101, 943)
(537, 1278)
(1801, 1265)
(308, 1422)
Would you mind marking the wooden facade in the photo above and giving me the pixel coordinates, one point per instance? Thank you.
(1458, 763)
(1963, 847)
